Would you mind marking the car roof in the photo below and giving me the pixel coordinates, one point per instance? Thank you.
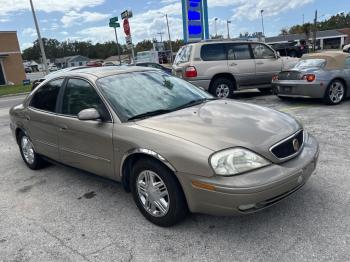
(335, 60)
(98, 72)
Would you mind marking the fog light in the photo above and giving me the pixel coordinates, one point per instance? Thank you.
(246, 207)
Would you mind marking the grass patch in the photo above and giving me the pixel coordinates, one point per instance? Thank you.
(16, 89)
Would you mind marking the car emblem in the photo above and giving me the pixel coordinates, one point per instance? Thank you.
(296, 145)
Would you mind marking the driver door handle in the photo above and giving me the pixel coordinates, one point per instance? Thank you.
(233, 64)
(259, 63)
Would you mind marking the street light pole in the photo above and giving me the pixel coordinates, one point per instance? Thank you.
(170, 44)
(39, 39)
(228, 29)
(116, 38)
(262, 21)
(216, 32)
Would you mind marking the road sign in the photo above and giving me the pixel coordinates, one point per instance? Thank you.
(126, 14)
(115, 25)
(126, 27)
(113, 19)
(128, 41)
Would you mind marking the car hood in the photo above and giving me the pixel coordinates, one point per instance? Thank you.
(221, 124)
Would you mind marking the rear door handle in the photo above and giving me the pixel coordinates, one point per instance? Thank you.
(233, 64)
(259, 63)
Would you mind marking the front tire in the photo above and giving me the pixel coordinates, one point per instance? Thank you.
(223, 87)
(29, 156)
(335, 92)
(157, 193)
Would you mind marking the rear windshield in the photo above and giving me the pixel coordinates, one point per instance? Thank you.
(183, 55)
(310, 63)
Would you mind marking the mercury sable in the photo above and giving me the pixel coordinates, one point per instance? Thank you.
(174, 146)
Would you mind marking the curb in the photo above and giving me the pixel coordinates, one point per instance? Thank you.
(18, 94)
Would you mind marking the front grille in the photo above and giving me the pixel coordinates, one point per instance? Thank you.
(290, 146)
(289, 75)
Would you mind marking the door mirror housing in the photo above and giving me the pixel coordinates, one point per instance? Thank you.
(89, 114)
(278, 55)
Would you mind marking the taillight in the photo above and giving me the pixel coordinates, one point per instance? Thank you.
(191, 71)
(274, 77)
(309, 77)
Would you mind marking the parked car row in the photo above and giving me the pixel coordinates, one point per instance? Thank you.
(224, 67)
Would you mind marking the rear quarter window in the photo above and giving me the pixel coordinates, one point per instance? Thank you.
(183, 55)
(213, 52)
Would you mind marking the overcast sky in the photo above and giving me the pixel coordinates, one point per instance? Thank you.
(88, 19)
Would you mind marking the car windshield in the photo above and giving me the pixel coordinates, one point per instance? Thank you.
(310, 63)
(148, 93)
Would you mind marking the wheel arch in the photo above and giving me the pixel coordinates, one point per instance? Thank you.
(18, 130)
(224, 75)
(134, 155)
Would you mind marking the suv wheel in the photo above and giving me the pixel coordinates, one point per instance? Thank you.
(223, 87)
(157, 193)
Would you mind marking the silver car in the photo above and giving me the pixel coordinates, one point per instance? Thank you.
(320, 75)
(224, 67)
(174, 146)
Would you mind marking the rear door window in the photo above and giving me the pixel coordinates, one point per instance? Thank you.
(238, 52)
(213, 52)
(45, 97)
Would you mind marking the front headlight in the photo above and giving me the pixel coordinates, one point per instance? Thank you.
(235, 161)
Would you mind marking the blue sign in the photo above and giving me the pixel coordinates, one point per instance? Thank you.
(195, 20)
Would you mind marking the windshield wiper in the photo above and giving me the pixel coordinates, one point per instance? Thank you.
(150, 113)
(194, 103)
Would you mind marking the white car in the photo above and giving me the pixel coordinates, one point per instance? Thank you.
(53, 68)
(346, 48)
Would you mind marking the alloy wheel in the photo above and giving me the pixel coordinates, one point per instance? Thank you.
(222, 91)
(28, 150)
(336, 92)
(153, 193)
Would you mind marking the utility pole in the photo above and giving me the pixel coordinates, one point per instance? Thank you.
(262, 21)
(161, 36)
(170, 44)
(314, 32)
(303, 19)
(216, 31)
(228, 29)
(42, 50)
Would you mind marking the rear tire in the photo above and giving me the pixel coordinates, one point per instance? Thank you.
(335, 93)
(223, 87)
(29, 156)
(157, 193)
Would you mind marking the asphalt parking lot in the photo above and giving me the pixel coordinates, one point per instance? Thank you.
(61, 214)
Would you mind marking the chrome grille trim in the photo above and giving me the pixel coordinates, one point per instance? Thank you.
(285, 140)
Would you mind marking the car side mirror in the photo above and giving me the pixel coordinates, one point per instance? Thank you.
(278, 55)
(89, 114)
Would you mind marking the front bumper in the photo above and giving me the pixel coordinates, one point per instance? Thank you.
(299, 88)
(260, 189)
